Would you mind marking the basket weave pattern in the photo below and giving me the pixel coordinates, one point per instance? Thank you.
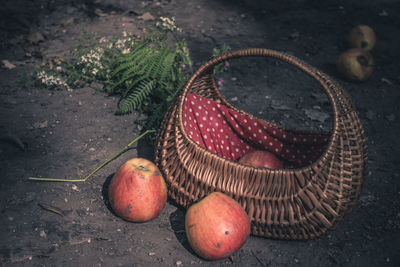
(302, 203)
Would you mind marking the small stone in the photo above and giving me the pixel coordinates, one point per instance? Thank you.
(384, 80)
(42, 234)
(179, 263)
(317, 107)
(35, 38)
(146, 17)
(234, 98)
(67, 21)
(152, 253)
(294, 35)
(40, 125)
(92, 149)
(391, 117)
(370, 114)
(233, 79)
(97, 85)
(75, 188)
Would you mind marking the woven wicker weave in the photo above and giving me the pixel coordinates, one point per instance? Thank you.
(301, 203)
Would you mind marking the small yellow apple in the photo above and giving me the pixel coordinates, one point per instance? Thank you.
(362, 36)
(355, 64)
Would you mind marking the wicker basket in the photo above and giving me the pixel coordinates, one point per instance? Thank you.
(297, 204)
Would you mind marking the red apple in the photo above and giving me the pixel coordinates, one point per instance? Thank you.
(137, 192)
(216, 226)
(261, 159)
(355, 64)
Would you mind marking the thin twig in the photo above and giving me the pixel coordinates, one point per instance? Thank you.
(98, 168)
(51, 208)
(258, 259)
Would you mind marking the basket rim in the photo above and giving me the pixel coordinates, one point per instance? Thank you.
(248, 52)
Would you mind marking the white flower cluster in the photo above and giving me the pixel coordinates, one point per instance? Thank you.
(168, 24)
(50, 80)
(91, 62)
(124, 44)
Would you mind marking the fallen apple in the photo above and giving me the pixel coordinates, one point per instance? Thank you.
(355, 64)
(216, 226)
(362, 36)
(261, 159)
(137, 192)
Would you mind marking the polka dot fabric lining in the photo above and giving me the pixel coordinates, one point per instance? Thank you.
(231, 134)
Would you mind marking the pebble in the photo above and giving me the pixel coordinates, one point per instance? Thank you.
(92, 149)
(370, 114)
(152, 253)
(146, 16)
(179, 263)
(35, 38)
(391, 117)
(74, 187)
(40, 125)
(42, 234)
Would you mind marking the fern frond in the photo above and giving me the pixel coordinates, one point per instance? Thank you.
(132, 62)
(151, 66)
(134, 100)
(130, 56)
(165, 69)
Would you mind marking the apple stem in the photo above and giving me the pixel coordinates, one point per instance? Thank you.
(98, 168)
(142, 168)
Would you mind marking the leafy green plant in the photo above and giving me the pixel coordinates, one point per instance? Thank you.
(148, 78)
(145, 72)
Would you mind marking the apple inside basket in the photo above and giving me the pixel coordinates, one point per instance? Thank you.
(231, 134)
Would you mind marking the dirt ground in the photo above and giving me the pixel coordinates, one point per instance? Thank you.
(68, 134)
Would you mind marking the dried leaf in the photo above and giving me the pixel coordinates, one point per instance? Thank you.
(8, 65)
(15, 140)
(51, 209)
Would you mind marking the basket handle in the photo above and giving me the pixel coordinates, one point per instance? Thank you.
(338, 97)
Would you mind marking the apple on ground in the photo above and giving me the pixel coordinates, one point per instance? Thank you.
(355, 64)
(362, 36)
(216, 226)
(261, 159)
(137, 192)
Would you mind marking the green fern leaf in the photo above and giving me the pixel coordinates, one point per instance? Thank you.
(132, 62)
(134, 100)
(166, 67)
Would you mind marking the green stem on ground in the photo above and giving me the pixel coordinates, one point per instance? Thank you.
(98, 168)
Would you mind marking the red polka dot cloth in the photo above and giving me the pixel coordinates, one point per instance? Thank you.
(231, 134)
